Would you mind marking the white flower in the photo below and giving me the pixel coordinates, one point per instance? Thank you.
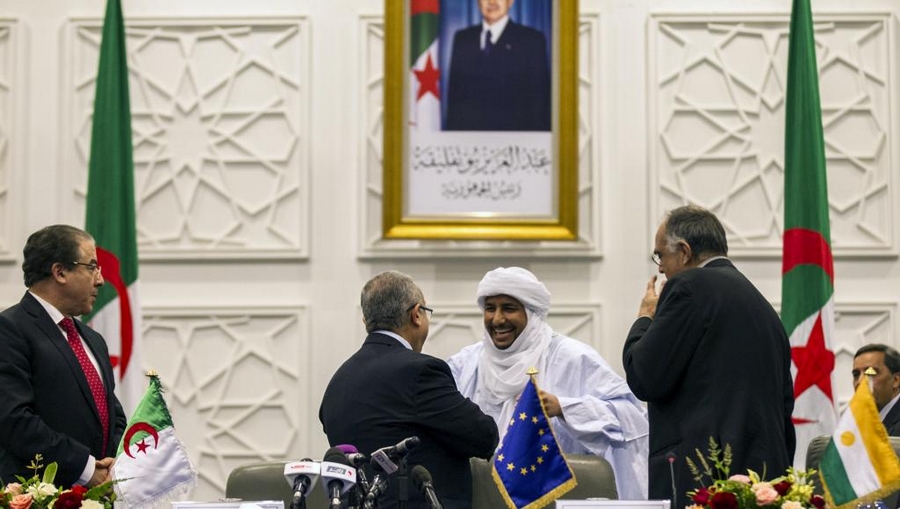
(41, 491)
(790, 504)
(93, 504)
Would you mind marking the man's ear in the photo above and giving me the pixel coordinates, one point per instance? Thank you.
(684, 250)
(58, 271)
(895, 381)
(415, 317)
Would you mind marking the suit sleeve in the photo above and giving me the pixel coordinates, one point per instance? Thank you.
(657, 353)
(23, 433)
(457, 423)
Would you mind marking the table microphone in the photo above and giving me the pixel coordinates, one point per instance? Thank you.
(421, 478)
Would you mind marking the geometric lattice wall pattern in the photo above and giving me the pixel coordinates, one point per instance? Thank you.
(717, 107)
(7, 77)
(236, 384)
(371, 243)
(221, 144)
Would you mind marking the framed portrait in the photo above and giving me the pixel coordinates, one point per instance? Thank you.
(480, 119)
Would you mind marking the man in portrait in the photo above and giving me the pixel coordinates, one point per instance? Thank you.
(499, 75)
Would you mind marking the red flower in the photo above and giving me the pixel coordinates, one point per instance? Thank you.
(701, 497)
(722, 500)
(69, 500)
(817, 501)
(782, 488)
(79, 489)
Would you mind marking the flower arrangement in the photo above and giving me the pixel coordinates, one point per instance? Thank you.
(790, 491)
(39, 492)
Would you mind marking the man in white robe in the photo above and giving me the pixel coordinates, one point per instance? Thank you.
(592, 409)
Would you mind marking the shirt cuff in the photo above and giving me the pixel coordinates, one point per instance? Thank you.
(88, 471)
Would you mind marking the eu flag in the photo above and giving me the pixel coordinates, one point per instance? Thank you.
(528, 467)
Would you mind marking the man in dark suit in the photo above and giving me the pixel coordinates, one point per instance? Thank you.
(389, 390)
(885, 383)
(499, 75)
(711, 358)
(55, 373)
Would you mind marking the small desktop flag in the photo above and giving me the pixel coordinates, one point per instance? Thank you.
(859, 463)
(528, 467)
(152, 466)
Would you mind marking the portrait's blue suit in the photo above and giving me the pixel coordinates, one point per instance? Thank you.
(505, 90)
(47, 407)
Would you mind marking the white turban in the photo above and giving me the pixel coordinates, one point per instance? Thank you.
(503, 373)
(519, 284)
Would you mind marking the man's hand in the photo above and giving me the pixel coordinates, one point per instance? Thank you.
(648, 303)
(551, 404)
(102, 470)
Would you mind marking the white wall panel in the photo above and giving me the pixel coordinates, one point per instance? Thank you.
(220, 113)
(236, 383)
(9, 75)
(717, 98)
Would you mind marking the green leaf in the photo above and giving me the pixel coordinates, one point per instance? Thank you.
(50, 473)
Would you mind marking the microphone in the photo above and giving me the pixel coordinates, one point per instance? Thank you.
(337, 475)
(300, 475)
(356, 458)
(379, 486)
(670, 456)
(385, 457)
(421, 478)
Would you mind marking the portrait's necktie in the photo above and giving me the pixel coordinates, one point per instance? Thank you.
(488, 45)
(93, 378)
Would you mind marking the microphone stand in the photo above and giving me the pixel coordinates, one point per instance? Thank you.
(402, 484)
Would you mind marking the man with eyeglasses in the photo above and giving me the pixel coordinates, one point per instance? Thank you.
(388, 391)
(710, 357)
(55, 373)
(591, 407)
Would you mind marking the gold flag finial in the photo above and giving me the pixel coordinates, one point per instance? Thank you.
(531, 371)
(870, 371)
(152, 372)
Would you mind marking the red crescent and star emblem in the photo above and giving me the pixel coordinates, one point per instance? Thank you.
(142, 445)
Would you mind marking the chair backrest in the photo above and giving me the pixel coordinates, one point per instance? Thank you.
(594, 475)
(265, 481)
(814, 456)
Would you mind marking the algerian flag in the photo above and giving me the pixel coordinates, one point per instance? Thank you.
(859, 463)
(807, 292)
(151, 466)
(111, 213)
(425, 76)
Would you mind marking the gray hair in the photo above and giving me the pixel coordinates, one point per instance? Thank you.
(386, 298)
(699, 228)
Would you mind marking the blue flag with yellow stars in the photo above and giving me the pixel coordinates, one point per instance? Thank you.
(528, 467)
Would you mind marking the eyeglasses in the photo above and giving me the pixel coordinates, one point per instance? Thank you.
(94, 267)
(656, 258)
(427, 310)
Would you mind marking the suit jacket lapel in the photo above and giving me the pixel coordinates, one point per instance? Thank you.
(51, 330)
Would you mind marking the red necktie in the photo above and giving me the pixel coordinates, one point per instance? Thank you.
(93, 378)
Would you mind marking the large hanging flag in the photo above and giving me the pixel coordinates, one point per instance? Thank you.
(151, 466)
(424, 78)
(528, 467)
(807, 291)
(111, 213)
(859, 463)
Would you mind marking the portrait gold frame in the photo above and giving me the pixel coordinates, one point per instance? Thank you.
(565, 142)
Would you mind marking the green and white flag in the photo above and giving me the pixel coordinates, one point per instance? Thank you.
(807, 291)
(859, 463)
(152, 466)
(425, 76)
(111, 213)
